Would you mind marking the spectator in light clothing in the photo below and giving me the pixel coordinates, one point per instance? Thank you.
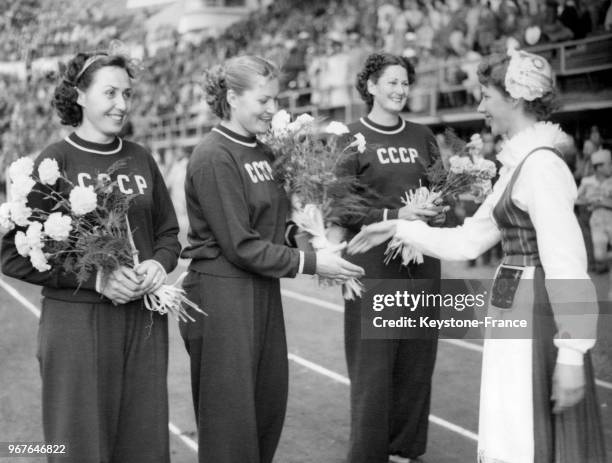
(596, 192)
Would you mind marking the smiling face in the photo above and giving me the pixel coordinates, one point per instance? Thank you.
(390, 92)
(252, 110)
(106, 103)
(497, 109)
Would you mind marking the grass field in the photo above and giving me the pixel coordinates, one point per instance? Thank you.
(316, 428)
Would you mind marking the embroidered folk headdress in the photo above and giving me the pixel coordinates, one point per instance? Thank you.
(528, 76)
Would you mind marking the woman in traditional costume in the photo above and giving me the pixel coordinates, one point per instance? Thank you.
(537, 401)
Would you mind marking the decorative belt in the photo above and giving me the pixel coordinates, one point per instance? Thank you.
(522, 260)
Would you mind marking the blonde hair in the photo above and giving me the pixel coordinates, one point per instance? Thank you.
(235, 74)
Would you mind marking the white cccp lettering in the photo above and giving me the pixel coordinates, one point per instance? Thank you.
(393, 155)
(249, 169)
(381, 152)
(123, 181)
(259, 171)
(141, 183)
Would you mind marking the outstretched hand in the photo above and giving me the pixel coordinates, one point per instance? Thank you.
(331, 265)
(372, 236)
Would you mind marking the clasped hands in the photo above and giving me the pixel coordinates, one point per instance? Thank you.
(433, 215)
(377, 233)
(126, 284)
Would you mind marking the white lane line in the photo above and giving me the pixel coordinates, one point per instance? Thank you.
(319, 369)
(22, 300)
(604, 384)
(36, 311)
(455, 342)
(344, 380)
(453, 427)
(186, 440)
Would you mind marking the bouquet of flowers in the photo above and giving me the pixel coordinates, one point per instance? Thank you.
(86, 232)
(467, 171)
(306, 162)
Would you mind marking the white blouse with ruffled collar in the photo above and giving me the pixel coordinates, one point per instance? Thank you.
(546, 190)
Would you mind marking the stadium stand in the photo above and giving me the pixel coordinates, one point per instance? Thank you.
(319, 45)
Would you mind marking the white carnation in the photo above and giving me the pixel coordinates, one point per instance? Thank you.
(20, 213)
(58, 226)
(83, 200)
(5, 217)
(460, 164)
(475, 145)
(305, 119)
(336, 128)
(22, 167)
(34, 235)
(39, 261)
(48, 171)
(487, 167)
(280, 121)
(21, 188)
(302, 121)
(22, 245)
(360, 143)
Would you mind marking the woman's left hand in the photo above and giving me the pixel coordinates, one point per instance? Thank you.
(441, 217)
(153, 273)
(371, 236)
(567, 387)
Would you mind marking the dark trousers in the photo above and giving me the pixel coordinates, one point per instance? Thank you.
(104, 392)
(390, 392)
(239, 371)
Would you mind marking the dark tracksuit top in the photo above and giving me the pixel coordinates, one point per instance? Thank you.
(237, 211)
(239, 373)
(151, 213)
(390, 378)
(104, 367)
(394, 162)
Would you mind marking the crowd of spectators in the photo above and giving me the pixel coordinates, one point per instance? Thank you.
(320, 45)
(31, 29)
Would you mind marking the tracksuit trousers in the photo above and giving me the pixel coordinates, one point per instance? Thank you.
(104, 391)
(390, 390)
(239, 368)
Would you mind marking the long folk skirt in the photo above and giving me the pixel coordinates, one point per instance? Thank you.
(516, 423)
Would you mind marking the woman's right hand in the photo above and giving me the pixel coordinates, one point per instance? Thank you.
(331, 265)
(372, 235)
(568, 386)
(122, 286)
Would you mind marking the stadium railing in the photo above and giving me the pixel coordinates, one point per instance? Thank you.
(437, 102)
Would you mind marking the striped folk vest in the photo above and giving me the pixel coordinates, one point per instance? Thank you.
(519, 240)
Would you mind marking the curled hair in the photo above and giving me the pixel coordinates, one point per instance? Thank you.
(76, 75)
(235, 74)
(375, 64)
(492, 73)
